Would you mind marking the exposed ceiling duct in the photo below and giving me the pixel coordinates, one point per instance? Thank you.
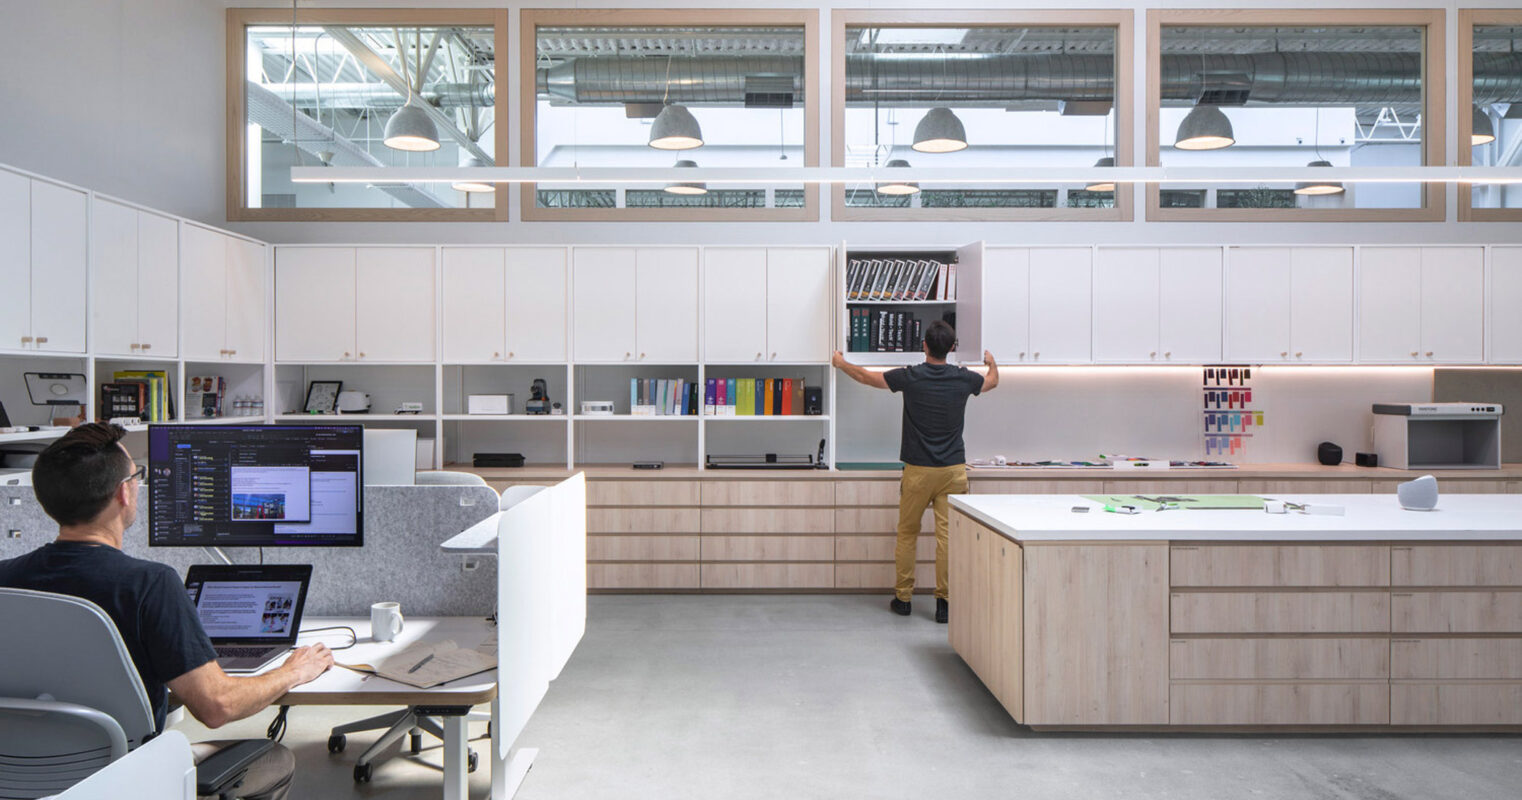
(377, 96)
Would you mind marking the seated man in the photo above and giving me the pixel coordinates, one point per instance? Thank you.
(87, 483)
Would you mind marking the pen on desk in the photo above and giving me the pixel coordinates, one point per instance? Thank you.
(419, 665)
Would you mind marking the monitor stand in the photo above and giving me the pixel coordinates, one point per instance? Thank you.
(217, 555)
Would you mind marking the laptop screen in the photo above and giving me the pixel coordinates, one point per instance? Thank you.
(239, 603)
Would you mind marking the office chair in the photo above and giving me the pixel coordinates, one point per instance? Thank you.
(71, 701)
(163, 769)
(442, 478)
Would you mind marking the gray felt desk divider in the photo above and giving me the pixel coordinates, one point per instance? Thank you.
(399, 561)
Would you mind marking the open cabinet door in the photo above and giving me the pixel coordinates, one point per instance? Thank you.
(969, 299)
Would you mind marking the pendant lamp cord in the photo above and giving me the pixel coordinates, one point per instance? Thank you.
(295, 129)
(1316, 141)
(666, 94)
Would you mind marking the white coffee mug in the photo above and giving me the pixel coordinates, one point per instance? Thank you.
(385, 621)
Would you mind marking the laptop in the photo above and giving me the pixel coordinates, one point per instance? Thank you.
(252, 612)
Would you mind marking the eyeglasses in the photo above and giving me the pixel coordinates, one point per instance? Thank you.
(137, 474)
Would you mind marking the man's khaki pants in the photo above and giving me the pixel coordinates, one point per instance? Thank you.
(918, 488)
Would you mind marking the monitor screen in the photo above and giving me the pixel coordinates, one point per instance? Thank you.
(255, 485)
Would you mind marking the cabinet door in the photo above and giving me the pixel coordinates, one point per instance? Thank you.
(1061, 280)
(394, 303)
(1257, 304)
(798, 304)
(1189, 302)
(314, 304)
(113, 241)
(1321, 311)
(602, 302)
(158, 285)
(59, 233)
(1389, 304)
(15, 260)
(1453, 304)
(536, 307)
(206, 311)
(734, 303)
(246, 299)
(1126, 287)
(666, 305)
(475, 295)
(1006, 303)
(1505, 299)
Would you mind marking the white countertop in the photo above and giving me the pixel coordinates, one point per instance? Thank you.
(1368, 517)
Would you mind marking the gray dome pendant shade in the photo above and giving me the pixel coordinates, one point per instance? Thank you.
(468, 160)
(939, 131)
(410, 129)
(1482, 132)
(675, 128)
(687, 187)
(1204, 128)
(1102, 186)
(897, 187)
(1318, 187)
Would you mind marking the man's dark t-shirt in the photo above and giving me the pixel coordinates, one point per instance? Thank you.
(935, 406)
(146, 600)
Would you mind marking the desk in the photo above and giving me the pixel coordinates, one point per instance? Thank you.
(340, 686)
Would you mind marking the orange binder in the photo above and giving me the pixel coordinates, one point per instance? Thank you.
(787, 396)
(767, 407)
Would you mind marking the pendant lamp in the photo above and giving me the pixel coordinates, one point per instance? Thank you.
(939, 131)
(468, 160)
(411, 129)
(1102, 186)
(687, 187)
(1318, 187)
(1204, 128)
(897, 187)
(1482, 132)
(675, 128)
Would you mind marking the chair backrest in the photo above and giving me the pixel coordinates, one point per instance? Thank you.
(513, 495)
(62, 665)
(163, 769)
(442, 478)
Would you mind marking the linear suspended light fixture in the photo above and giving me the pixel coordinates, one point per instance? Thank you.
(1482, 132)
(410, 129)
(939, 131)
(1205, 127)
(686, 187)
(1102, 185)
(467, 185)
(897, 186)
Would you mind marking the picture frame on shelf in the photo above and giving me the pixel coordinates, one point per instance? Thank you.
(322, 397)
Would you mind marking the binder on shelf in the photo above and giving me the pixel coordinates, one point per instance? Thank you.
(709, 392)
(951, 283)
(927, 280)
(796, 394)
(879, 278)
(732, 401)
(940, 282)
(787, 397)
(745, 402)
(776, 395)
(767, 397)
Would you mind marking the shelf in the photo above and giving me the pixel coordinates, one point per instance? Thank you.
(769, 418)
(633, 418)
(136, 358)
(901, 302)
(330, 418)
(31, 436)
(254, 420)
(504, 417)
(885, 359)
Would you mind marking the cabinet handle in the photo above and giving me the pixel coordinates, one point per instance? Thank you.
(509, 354)
(145, 346)
(1414, 354)
(642, 356)
(1284, 354)
(1152, 354)
(496, 355)
(361, 355)
(1429, 353)
(346, 354)
(1167, 354)
(42, 340)
(626, 356)
(758, 356)
(133, 346)
(1022, 354)
(232, 352)
(26, 340)
(774, 356)
(1298, 354)
(1036, 354)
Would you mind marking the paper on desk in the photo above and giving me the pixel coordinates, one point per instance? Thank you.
(414, 666)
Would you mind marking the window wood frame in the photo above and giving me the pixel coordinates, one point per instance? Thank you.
(532, 19)
(1121, 19)
(1469, 19)
(1434, 107)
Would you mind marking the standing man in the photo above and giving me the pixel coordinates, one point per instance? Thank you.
(935, 462)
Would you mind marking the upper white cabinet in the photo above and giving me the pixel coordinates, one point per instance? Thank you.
(44, 230)
(224, 313)
(536, 304)
(1006, 293)
(372, 304)
(1421, 304)
(666, 304)
(136, 281)
(504, 304)
(1157, 305)
(314, 304)
(1505, 300)
(1060, 294)
(767, 304)
(602, 299)
(394, 303)
(1289, 305)
(247, 320)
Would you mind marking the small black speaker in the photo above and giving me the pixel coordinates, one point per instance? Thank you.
(1330, 455)
(1366, 459)
(813, 400)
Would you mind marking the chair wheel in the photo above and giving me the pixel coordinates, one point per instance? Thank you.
(472, 761)
(363, 773)
(415, 741)
(336, 743)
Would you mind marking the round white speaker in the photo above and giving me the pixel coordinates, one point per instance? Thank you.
(1418, 495)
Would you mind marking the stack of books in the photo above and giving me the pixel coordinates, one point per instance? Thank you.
(745, 397)
(880, 331)
(900, 280)
(145, 390)
(662, 397)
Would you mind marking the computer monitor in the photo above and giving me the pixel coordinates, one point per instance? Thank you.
(255, 486)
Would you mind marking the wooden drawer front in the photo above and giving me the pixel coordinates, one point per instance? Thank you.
(1451, 486)
(866, 493)
(880, 548)
(642, 576)
(1318, 486)
(1280, 565)
(1281, 612)
(1456, 565)
(642, 493)
(642, 548)
(768, 548)
(1279, 659)
(768, 520)
(1456, 659)
(643, 520)
(769, 493)
(1156, 487)
(995, 486)
(876, 520)
(1279, 704)
(881, 576)
(768, 576)
(1456, 703)
(1456, 612)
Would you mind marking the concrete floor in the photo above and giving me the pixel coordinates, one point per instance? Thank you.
(833, 697)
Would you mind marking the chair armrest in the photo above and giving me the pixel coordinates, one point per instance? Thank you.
(107, 724)
(222, 770)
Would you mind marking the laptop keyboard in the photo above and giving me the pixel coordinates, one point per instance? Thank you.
(242, 652)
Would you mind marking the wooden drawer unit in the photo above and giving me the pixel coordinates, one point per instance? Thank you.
(1156, 487)
(642, 493)
(876, 520)
(1310, 486)
(769, 493)
(1455, 703)
(880, 548)
(1456, 659)
(866, 493)
(642, 576)
(768, 520)
(1279, 703)
(768, 576)
(997, 486)
(1280, 565)
(1280, 612)
(1456, 612)
(881, 576)
(1259, 659)
(643, 520)
(1456, 565)
(1453, 487)
(768, 548)
(642, 548)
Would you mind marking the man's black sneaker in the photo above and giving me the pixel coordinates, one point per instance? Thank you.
(941, 608)
(900, 607)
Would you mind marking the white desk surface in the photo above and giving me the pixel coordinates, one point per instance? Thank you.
(1368, 517)
(340, 686)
